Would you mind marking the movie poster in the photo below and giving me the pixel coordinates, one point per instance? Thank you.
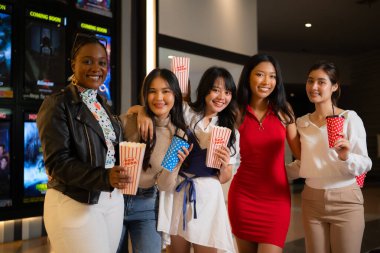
(104, 89)
(35, 177)
(45, 71)
(102, 7)
(6, 90)
(5, 161)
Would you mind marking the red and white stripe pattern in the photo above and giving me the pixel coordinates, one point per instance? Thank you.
(180, 66)
(131, 157)
(219, 137)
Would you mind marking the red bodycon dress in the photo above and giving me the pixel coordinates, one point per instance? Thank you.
(259, 196)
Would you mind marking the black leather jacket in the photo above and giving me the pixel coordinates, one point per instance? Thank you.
(74, 146)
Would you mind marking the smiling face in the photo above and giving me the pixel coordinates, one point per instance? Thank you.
(319, 87)
(262, 80)
(90, 66)
(218, 98)
(160, 98)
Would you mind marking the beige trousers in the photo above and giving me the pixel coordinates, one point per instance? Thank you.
(333, 219)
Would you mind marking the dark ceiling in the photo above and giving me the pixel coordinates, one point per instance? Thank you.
(339, 27)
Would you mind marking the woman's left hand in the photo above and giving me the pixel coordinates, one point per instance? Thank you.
(342, 147)
(223, 153)
(118, 177)
(182, 154)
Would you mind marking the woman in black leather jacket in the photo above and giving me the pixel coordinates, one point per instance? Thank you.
(83, 212)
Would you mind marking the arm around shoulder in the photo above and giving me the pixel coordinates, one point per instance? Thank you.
(135, 109)
(129, 125)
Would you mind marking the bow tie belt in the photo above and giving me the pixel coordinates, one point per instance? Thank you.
(192, 196)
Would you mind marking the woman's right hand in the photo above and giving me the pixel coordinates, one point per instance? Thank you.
(119, 177)
(144, 124)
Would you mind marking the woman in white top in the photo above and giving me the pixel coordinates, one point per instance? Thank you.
(195, 213)
(204, 223)
(332, 202)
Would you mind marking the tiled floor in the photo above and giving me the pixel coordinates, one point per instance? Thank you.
(295, 241)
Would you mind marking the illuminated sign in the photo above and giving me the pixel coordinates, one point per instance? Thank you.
(94, 28)
(5, 8)
(45, 16)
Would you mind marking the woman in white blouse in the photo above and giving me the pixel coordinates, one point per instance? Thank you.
(332, 202)
(194, 214)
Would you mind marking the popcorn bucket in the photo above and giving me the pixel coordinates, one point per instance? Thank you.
(131, 157)
(219, 137)
(180, 66)
(334, 128)
(171, 159)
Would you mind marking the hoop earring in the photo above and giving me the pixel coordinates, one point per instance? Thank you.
(74, 80)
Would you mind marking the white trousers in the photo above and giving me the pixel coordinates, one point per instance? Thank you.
(81, 228)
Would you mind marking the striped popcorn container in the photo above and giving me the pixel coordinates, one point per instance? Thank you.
(131, 157)
(180, 66)
(219, 137)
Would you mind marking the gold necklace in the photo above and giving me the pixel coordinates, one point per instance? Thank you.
(261, 127)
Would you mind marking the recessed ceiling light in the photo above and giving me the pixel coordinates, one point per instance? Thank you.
(308, 25)
(170, 56)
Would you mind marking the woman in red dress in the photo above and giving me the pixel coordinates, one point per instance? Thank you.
(259, 196)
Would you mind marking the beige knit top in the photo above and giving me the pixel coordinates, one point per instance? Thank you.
(155, 174)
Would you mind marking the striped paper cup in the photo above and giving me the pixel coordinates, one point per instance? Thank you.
(131, 157)
(180, 66)
(219, 137)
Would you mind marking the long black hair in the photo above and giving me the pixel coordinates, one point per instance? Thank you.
(332, 72)
(277, 99)
(227, 117)
(176, 113)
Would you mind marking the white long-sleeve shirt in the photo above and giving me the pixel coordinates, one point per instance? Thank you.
(320, 165)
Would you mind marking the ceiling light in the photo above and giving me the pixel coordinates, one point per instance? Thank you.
(308, 25)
